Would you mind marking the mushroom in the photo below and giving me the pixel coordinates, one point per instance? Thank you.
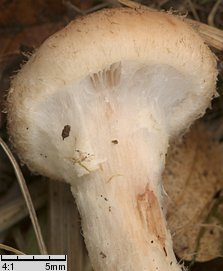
(96, 106)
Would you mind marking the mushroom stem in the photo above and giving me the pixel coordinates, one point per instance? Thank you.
(121, 208)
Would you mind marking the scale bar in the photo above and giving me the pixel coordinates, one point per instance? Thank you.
(36, 258)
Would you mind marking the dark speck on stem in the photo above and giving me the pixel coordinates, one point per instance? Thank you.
(102, 255)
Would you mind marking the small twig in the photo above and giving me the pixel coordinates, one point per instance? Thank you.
(213, 12)
(27, 197)
(211, 35)
(97, 7)
(132, 4)
(193, 10)
(76, 9)
(72, 7)
(212, 210)
(15, 210)
(113, 3)
(211, 225)
(11, 249)
(19, 238)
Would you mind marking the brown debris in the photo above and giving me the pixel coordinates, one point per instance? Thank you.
(193, 178)
(66, 131)
(151, 217)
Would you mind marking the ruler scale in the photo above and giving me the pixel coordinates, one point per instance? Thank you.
(33, 263)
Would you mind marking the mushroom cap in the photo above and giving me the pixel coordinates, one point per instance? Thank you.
(159, 52)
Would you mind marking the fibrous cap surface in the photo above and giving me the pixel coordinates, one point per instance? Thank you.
(161, 59)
